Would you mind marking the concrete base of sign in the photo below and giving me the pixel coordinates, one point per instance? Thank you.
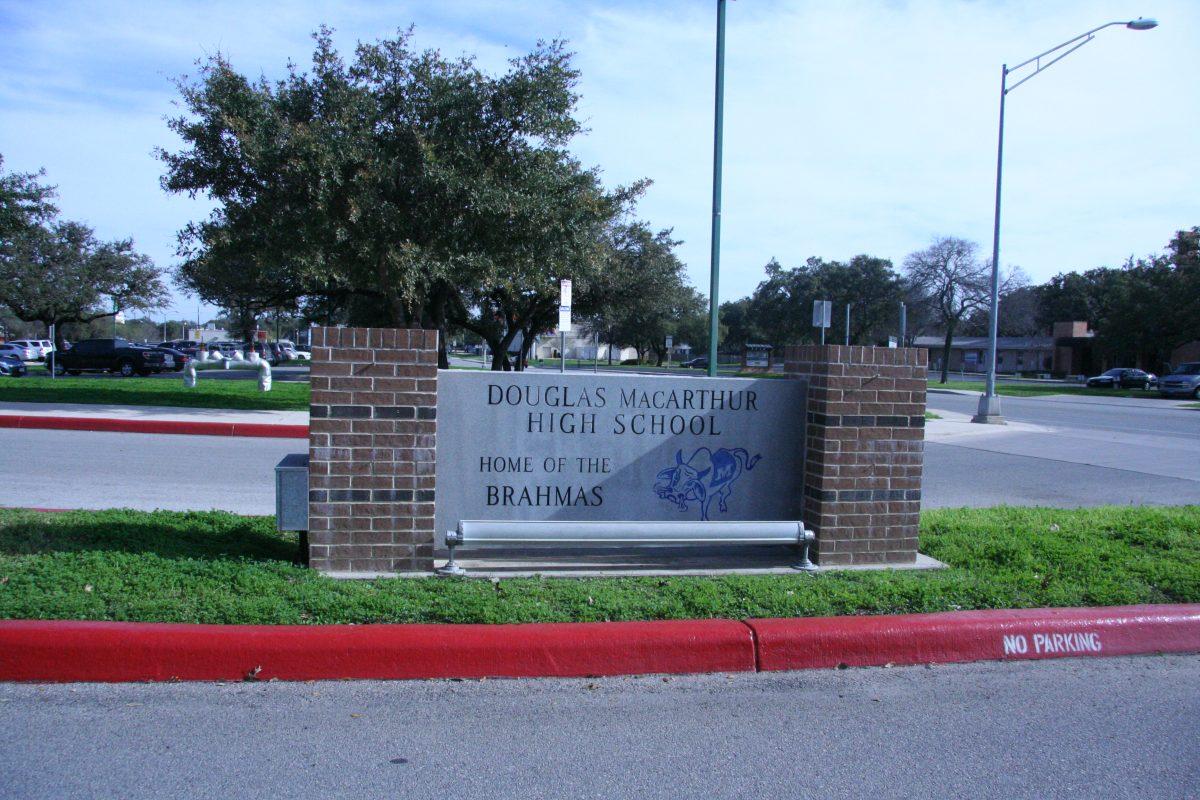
(574, 564)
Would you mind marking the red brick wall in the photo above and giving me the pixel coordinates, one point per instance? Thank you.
(372, 443)
(864, 450)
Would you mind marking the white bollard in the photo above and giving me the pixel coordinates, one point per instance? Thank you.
(224, 361)
(264, 376)
(189, 374)
(237, 356)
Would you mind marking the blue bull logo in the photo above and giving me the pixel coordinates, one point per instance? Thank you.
(704, 477)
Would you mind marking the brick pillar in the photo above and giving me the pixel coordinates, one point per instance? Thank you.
(372, 440)
(865, 447)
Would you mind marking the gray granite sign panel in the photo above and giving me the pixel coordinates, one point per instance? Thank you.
(542, 446)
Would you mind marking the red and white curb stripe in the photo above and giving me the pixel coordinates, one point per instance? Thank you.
(186, 427)
(56, 651)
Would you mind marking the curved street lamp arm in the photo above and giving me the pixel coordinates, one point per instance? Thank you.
(1086, 37)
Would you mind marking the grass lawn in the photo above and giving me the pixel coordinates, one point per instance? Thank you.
(1038, 390)
(232, 394)
(220, 568)
(931, 415)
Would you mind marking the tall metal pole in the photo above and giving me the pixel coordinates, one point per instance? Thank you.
(903, 325)
(719, 111)
(989, 402)
(847, 324)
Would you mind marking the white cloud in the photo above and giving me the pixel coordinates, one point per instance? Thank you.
(850, 127)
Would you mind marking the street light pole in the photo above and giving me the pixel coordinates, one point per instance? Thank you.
(989, 401)
(715, 258)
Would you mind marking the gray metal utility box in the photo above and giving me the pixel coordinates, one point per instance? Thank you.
(291, 492)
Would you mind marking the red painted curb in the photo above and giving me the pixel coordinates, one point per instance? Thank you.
(785, 644)
(154, 426)
(34, 650)
(37, 650)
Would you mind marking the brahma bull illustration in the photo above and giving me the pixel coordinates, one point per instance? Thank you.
(704, 477)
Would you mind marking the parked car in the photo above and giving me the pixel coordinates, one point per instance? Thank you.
(21, 351)
(1123, 378)
(696, 363)
(274, 352)
(175, 359)
(225, 349)
(11, 366)
(1184, 381)
(111, 355)
(182, 345)
(43, 347)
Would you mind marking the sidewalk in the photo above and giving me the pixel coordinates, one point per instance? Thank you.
(154, 419)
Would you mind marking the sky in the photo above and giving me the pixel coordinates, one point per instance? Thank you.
(850, 127)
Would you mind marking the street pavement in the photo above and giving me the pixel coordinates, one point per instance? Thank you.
(85, 469)
(1097, 728)
(1063, 451)
(1059, 451)
(154, 413)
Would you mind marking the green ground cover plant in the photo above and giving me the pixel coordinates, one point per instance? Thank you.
(1040, 390)
(220, 568)
(210, 393)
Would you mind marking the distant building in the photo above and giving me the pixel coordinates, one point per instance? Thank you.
(1074, 350)
(1070, 350)
(1185, 353)
(1013, 353)
(208, 334)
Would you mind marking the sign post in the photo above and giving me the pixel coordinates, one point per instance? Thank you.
(564, 321)
(822, 315)
(53, 350)
(670, 343)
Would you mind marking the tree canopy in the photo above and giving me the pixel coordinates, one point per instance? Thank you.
(642, 294)
(55, 272)
(780, 310)
(402, 188)
(1140, 311)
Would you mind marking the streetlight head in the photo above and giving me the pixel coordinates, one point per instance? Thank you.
(1141, 24)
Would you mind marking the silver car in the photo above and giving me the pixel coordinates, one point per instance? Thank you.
(42, 347)
(1184, 381)
(21, 351)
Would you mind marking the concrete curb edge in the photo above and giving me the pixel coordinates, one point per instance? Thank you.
(254, 429)
(62, 651)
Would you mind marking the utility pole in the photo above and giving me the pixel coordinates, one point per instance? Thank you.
(848, 324)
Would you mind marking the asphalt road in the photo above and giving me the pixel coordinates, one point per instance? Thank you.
(1085, 451)
(1102, 728)
(82, 469)
(1077, 451)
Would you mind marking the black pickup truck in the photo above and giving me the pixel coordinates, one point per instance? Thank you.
(110, 355)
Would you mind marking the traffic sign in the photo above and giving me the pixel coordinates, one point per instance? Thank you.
(822, 313)
(564, 306)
